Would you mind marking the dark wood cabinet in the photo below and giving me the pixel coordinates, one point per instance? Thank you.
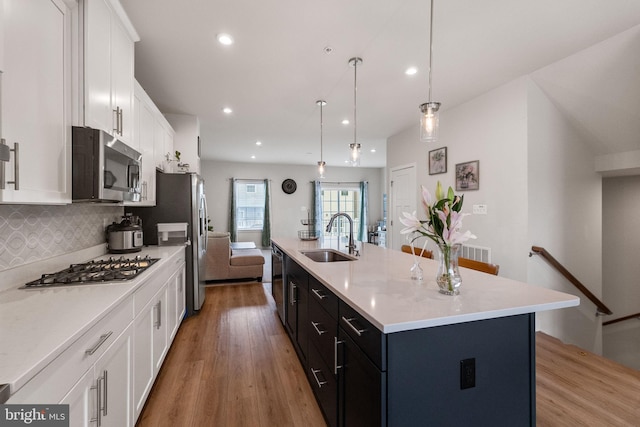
(297, 300)
(473, 373)
(362, 392)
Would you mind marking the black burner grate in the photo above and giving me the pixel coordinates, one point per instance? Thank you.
(97, 271)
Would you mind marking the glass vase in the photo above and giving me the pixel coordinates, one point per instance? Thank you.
(448, 277)
(416, 271)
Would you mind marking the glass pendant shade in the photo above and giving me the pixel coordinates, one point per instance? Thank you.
(321, 167)
(354, 154)
(429, 121)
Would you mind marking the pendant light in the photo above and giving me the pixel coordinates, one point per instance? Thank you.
(321, 163)
(354, 148)
(429, 117)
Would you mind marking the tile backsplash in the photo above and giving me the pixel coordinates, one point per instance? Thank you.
(30, 233)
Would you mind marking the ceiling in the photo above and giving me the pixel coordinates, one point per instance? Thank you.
(278, 67)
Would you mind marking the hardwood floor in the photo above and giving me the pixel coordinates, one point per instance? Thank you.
(577, 388)
(233, 365)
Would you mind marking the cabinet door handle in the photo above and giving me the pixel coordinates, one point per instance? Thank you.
(16, 166)
(292, 292)
(315, 326)
(116, 129)
(101, 341)
(105, 381)
(335, 355)
(120, 124)
(158, 321)
(356, 330)
(98, 387)
(318, 294)
(315, 373)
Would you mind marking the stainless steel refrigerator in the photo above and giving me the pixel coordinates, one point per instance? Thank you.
(180, 198)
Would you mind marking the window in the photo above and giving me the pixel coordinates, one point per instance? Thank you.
(340, 199)
(249, 205)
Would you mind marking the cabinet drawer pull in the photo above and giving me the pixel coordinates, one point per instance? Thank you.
(101, 341)
(335, 355)
(315, 326)
(318, 294)
(356, 330)
(315, 373)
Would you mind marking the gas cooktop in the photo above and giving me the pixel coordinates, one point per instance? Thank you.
(94, 272)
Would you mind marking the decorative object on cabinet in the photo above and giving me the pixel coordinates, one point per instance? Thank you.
(289, 186)
(468, 176)
(429, 118)
(438, 161)
(443, 224)
(354, 147)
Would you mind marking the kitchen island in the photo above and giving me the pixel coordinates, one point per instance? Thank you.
(381, 349)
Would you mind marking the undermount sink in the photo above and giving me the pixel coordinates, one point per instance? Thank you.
(327, 255)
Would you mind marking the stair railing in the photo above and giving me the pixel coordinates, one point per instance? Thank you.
(621, 319)
(601, 309)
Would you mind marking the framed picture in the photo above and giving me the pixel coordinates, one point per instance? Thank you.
(438, 161)
(468, 176)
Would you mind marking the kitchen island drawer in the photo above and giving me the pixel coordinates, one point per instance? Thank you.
(323, 330)
(52, 383)
(327, 299)
(366, 336)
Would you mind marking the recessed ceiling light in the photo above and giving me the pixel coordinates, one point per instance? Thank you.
(225, 39)
(411, 71)
(227, 110)
(373, 150)
(258, 143)
(345, 122)
(253, 157)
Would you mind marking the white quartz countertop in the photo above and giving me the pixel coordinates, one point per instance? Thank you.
(36, 325)
(378, 286)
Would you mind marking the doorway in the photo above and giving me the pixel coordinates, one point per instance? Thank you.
(402, 188)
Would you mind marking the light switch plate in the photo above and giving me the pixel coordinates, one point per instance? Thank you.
(479, 209)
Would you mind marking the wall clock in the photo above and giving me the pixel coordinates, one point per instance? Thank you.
(289, 186)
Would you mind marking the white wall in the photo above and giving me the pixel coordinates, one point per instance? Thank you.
(620, 270)
(287, 213)
(491, 129)
(565, 217)
(538, 181)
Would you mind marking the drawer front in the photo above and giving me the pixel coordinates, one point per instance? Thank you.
(366, 336)
(153, 284)
(323, 330)
(52, 383)
(324, 385)
(327, 299)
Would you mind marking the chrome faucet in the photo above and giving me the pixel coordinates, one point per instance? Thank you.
(352, 245)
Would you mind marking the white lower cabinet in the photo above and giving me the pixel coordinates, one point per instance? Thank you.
(105, 376)
(155, 326)
(103, 394)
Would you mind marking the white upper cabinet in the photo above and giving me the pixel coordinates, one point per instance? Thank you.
(145, 114)
(36, 49)
(108, 68)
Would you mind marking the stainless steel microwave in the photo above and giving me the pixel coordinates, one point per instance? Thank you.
(104, 168)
